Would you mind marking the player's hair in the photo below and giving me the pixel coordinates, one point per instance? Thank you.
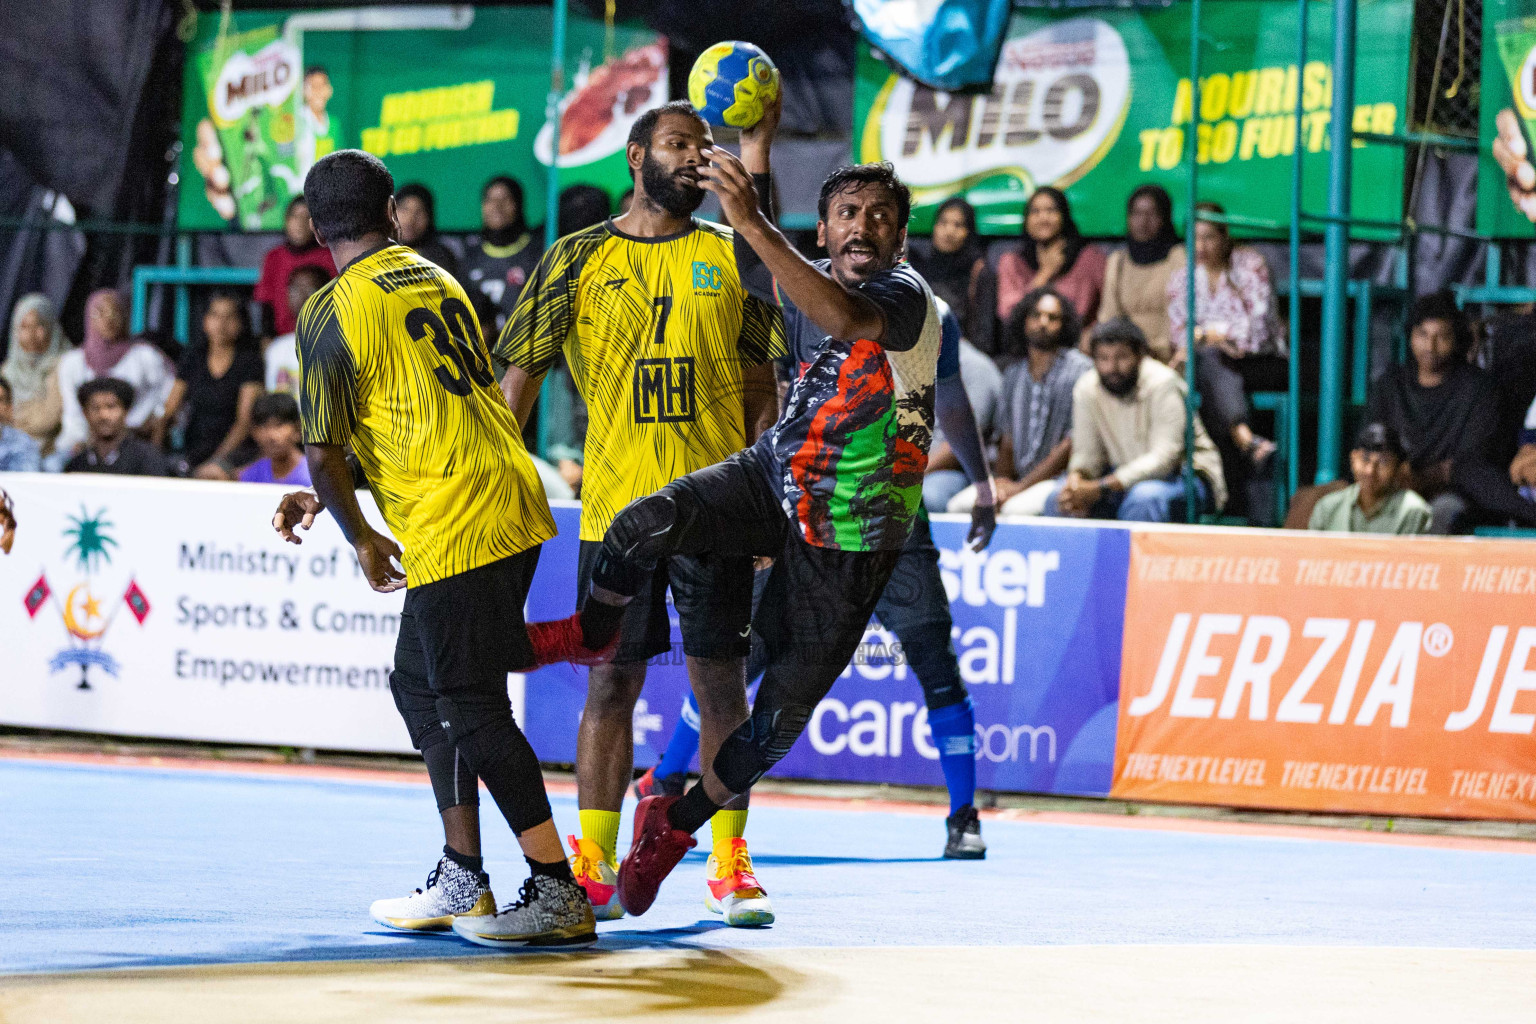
(644, 128)
(275, 407)
(1120, 330)
(119, 389)
(859, 177)
(1441, 305)
(348, 193)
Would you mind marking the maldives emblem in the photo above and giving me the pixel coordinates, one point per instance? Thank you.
(81, 609)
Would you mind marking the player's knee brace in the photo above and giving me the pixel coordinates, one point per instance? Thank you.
(929, 653)
(454, 783)
(759, 744)
(635, 541)
(498, 753)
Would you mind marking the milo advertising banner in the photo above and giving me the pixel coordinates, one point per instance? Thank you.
(1506, 183)
(445, 95)
(1097, 101)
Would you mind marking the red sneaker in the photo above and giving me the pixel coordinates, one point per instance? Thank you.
(655, 851)
(561, 640)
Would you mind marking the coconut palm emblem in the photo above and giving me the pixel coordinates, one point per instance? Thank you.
(82, 612)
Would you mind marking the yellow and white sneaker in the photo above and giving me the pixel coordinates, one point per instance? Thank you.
(452, 891)
(597, 878)
(734, 891)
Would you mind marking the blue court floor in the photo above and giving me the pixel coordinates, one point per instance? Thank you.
(110, 867)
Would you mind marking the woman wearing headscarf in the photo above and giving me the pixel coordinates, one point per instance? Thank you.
(507, 251)
(37, 343)
(1136, 277)
(1054, 253)
(109, 352)
(954, 263)
(416, 210)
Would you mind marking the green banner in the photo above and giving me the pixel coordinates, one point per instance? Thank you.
(445, 95)
(1506, 193)
(1098, 101)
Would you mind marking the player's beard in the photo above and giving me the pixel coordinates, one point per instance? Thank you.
(666, 191)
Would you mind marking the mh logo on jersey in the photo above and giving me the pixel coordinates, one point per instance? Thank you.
(664, 391)
(707, 275)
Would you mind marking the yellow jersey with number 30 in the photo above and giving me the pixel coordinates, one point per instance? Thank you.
(392, 362)
(657, 332)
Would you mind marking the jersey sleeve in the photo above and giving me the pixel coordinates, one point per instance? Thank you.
(327, 372)
(762, 332)
(900, 296)
(546, 308)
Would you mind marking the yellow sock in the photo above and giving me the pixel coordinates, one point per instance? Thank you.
(602, 828)
(728, 825)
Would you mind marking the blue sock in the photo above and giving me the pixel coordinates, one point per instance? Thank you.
(683, 744)
(954, 733)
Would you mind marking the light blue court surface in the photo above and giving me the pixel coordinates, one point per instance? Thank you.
(113, 867)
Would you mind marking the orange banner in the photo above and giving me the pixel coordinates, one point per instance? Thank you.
(1313, 672)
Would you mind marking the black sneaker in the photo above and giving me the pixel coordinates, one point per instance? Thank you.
(965, 842)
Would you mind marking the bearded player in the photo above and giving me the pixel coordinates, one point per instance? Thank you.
(672, 355)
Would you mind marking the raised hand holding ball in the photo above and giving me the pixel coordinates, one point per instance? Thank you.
(732, 83)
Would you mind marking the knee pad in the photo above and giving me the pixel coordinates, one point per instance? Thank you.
(759, 744)
(498, 753)
(635, 541)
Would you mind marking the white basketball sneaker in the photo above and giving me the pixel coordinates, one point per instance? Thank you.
(548, 912)
(452, 891)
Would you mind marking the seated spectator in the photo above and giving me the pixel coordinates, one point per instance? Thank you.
(504, 255)
(416, 212)
(944, 478)
(1446, 412)
(581, 207)
(218, 381)
(282, 355)
(1136, 277)
(299, 248)
(110, 446)
(37, 344)
(1128, 420)
(279, 439)
(1037, 404)
(1054, 253)
(1377, 502)
(109, 352)
(954, 263)
(1240, 346)
(19, 453)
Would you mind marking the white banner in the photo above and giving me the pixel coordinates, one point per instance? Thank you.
(168, 608)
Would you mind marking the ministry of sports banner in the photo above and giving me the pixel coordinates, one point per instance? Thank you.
(445, 95)
(1098, 101)
(1382, 676)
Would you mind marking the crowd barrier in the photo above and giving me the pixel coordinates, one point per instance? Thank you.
(1259, 669)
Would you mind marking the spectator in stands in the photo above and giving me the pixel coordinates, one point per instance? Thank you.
(1378, 501)
(37, 344)
(1037, 404)
(111, 447)
(1128, 419)
(582, 206)
(109, 352)
(416, 213)
(218, 382)
(1241, 348)
(282, 354)
(1054, 253)
(944, 477)
(954, 263)
(1136, 277)
(501, 258)
(275, 428)
(19, 453)
(1446, 412)
(298, 248)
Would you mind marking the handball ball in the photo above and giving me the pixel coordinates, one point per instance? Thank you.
(731, 83)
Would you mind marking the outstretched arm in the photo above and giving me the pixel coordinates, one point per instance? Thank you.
(333, 483)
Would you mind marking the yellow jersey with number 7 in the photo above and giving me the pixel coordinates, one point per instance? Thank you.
(392, 362)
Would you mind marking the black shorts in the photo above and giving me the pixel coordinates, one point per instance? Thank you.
(713, 597)
(461, 636)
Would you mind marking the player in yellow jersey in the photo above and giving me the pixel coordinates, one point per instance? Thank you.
(393, 364)
(673, 357)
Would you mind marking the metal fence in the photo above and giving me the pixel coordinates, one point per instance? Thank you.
(1447, 66)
